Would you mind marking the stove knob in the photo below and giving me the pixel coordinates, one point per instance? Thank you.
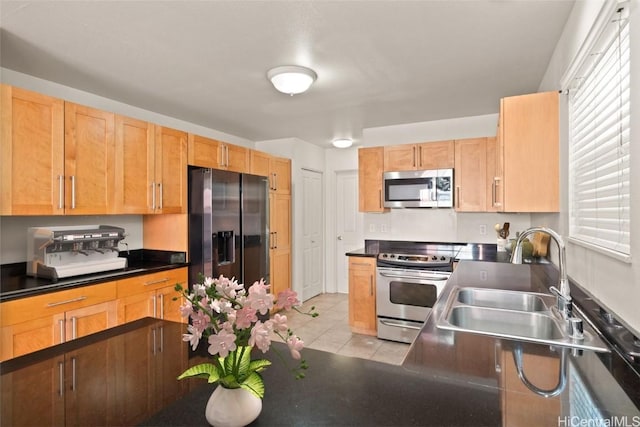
(392, 256)
(384, 255)
(442, 258)
(434, 258)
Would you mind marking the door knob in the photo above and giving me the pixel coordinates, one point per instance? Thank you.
(339, 237)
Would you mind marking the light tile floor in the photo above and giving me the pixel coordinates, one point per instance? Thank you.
(330, 331)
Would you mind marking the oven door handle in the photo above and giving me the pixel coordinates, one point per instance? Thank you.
(399, 325)
(406, 276)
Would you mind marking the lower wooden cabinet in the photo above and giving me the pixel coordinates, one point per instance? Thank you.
(33, 323)
(151, 295)
(362, 295)
(117, 380)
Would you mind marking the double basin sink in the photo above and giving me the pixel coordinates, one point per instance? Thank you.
(523, 316)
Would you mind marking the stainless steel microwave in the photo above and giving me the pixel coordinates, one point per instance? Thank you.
(418, 189)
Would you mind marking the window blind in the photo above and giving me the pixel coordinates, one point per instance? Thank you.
(599, 135)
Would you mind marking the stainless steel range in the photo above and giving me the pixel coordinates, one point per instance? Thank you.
(407, 287)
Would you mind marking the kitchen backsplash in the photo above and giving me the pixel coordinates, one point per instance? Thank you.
(441, 225)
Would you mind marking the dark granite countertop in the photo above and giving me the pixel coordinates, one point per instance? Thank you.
(458, 251)
(14, 282)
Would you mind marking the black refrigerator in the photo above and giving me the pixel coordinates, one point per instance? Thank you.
(228, 225)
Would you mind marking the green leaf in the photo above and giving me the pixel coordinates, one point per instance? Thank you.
(204, 370)
(258, 365)
(254, 384)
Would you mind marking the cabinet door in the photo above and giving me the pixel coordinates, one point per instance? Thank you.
(26, 337)
(280, 180)
(89, 151)
(236, 158)
(134, 166)
(280, 242)
(170, 171)
(170, 360)
(88, 320)
(34, 396)
(435, 155)
(362, 295)
(471, 175)
(134, 307)
(370, 170)
(167, 307)
(89, 385)
(32, 151)
(204, 152)
(530, 146)
(259, 163)
(400, 158)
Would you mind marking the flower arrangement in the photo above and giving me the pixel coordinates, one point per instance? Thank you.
(226, 315)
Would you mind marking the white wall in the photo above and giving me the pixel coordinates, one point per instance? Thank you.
(613, 283)
(303, 155)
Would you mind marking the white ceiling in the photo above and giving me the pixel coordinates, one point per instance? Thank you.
(379, 63)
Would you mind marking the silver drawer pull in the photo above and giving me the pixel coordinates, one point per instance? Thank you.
(155, 282)
(399, 325)
(53, 304)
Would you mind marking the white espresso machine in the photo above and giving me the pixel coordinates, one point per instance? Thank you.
(58, 252)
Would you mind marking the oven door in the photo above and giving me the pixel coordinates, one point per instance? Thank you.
(404, 298)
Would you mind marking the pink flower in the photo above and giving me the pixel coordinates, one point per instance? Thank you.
(295, 345)
(259, 299)
(186, 309)
(245, 317)
(279, 323)
(222, 343)
(228, 287)
(260, 336)
(287, 299)
(193, 338)
(200, 320)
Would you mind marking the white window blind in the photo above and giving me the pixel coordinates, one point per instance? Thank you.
(599, 132)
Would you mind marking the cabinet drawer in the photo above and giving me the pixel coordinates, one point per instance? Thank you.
(149, 282)
(23, 309)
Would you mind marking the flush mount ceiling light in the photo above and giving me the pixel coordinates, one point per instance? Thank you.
(342, 142)
(291, 79)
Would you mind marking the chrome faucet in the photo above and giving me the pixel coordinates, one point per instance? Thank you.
(562, 292)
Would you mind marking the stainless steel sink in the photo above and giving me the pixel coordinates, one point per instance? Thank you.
(508, 300)
(505, 323)
(522, 316)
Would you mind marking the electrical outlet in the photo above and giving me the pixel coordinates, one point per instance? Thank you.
(372, 228)
(483, 229)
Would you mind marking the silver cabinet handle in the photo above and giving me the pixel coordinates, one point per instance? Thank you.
(74, 328)
(226, 150)
(161, 298)
(419, 156)
(154, 342)
(275, 181)
(371, 285)
(496, 180)
(73, 192)
(160, 196)
(414, 156)
(221, 161)
(155, 282)
(275, 240)
(60, 191)
(153, 195)
(155, 307)
(380, 199)
(458, 196)
(60, 378)
(73, 374)
(53, 304)
(161, 339)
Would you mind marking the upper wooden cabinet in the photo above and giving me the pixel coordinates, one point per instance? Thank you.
(370, 170)
(89, 152)
(32, 149)
(260, 163)
(211, 153)
(428, 155)
(470, 175)
(527, 154)
(135, 167)
(280, 175)
(170, 171)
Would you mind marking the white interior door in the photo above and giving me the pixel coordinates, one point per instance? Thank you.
(349, 224)
(312, 234)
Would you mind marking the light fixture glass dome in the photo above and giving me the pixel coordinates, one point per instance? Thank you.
(291, 79)
(342, 142)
